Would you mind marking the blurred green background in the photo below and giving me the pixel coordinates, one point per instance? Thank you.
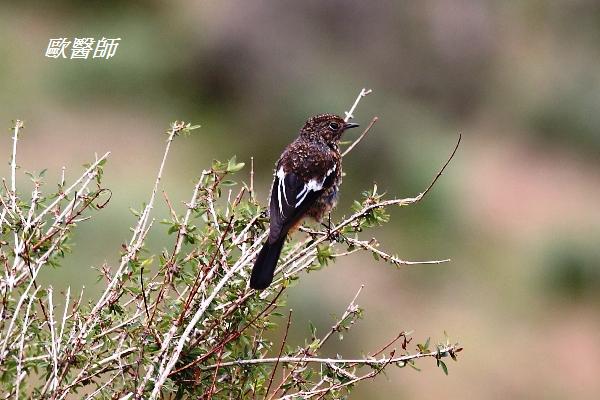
(517, 211)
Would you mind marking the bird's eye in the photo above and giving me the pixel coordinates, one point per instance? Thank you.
(334, 126)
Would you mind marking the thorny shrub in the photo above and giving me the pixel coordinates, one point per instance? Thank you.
(183, 322)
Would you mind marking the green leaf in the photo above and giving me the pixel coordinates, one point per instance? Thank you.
(324, 254)
(192, 127)
(443, 366)
(314, 345)
(424, 348)
(233, 166)
(413, 366)
(313, 329)
(218, 166)
(147, 262)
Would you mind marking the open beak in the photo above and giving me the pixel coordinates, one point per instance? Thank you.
(350, 125)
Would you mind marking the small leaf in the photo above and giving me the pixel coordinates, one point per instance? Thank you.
(443, 366)
(218, 166)
(424, 348)
(233, 166)
(313, 329)
(413, 366)
(146, 262)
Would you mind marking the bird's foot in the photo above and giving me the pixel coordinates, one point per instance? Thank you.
(333, 236)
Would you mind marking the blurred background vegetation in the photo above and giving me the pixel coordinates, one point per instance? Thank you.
(517, 211)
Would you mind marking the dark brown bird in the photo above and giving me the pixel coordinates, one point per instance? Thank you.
(307, 179)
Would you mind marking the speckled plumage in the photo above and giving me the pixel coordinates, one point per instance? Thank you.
(306, 183)
(311, 159)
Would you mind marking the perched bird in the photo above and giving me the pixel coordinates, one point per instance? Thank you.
(306, 183)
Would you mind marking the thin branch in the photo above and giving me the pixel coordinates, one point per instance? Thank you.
(181, 232)
(92, 395)
(252, 178)
(22, 342)
(390, 258)
(13, 162)
(361, 137)
(144, 292)
(324, 391)
(363, 93)
(391, 342)
(70, 189)
(170, 206)
(287, 329)
(233, 336)
(441, 171)
(371, 246)
(443, 352)
(351, 309)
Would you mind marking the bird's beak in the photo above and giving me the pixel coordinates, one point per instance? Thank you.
(350, 125)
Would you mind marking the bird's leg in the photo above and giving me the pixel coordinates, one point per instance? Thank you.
(331, 235)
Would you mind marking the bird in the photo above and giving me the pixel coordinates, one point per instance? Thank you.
(306, 182)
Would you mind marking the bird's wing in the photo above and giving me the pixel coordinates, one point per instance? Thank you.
(292, 196)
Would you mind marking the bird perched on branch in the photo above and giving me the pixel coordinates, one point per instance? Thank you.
(307, 179)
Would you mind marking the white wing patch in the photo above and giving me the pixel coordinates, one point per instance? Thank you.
(313, 185)
(281, 189)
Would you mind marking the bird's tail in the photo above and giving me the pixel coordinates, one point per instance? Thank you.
(264, 267)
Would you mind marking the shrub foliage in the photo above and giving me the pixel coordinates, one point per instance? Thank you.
(181, 323)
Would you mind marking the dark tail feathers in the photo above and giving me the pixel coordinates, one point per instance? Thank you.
(264, 267)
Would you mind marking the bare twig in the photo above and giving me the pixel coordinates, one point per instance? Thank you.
(287, 328)
(441, 171)
(13, 162)
(442, 352)
(214, 378)
(71, 188)
(349, 114)
(350, 310)
(24, 329)
(322, 392)
(252, 178)
(361, 137)
(390, 258)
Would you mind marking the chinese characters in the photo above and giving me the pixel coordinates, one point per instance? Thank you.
(82, 48)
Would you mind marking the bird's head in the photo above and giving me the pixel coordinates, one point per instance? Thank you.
(327, 127)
